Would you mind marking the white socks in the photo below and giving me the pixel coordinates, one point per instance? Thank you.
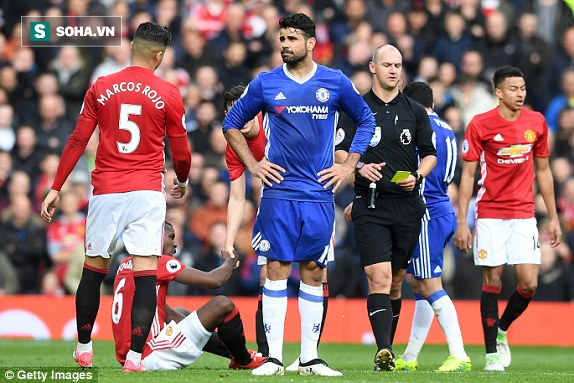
(135, 357)
(448, 320)
(274, 307)
(422, 321)
(81, 347)
(311, 312)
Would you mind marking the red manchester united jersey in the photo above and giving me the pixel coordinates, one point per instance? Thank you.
(124, 287)
(134, 110)
(255, 144)
(505, 151)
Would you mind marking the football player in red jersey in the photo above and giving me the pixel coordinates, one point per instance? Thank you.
(134, 110)
(511, 144)
(178, 337)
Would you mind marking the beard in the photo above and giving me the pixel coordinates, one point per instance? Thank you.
(293, 59)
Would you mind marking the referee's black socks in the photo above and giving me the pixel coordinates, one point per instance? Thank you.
(381, 317)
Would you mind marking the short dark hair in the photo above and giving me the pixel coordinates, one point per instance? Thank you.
(421, 92)
(153, 33)
(505, 72)
(300, 21)
(232, 94)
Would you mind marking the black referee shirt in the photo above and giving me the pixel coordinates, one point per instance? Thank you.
(402, 127)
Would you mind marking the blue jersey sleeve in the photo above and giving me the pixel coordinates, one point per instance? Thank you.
(247, 107)
(356, 108)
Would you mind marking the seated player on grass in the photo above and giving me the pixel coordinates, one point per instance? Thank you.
(178, 343)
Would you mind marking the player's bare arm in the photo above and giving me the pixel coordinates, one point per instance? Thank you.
(266, 171)
(210, 279)
(338, 173)
(546, 187)
(463, 236)
(235, 211)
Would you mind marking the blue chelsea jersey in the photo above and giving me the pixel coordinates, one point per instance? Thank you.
(435, 185)
(300, 118)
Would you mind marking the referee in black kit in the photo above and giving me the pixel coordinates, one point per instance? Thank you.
(387, 213)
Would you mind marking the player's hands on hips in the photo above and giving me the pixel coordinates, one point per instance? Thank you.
(555, 232)
(49, 205)
(463, 238)
(372, 171)
(232, 255)
(347, 212)
(267, 171)
(335, 175)
(177, 191)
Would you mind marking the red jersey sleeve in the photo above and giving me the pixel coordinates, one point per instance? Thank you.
(541, 146)
(472, 146)
(177, 136)
(168, 268)
(78, 140)
(256, 146)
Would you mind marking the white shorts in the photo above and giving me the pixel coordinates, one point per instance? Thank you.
(138, 216)
(262, 260)
(178, 345)
(511, 241)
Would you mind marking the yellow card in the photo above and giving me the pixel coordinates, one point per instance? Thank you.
(400, 175)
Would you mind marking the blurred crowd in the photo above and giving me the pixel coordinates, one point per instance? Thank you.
(454, 45)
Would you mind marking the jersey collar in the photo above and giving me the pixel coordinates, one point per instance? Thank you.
(307, 78)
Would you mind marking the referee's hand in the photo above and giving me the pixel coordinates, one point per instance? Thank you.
(372, 171)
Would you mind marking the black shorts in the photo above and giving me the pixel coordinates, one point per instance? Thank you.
(390, 232)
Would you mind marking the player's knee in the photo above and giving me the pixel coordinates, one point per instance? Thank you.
(224, 304)
(528, 288)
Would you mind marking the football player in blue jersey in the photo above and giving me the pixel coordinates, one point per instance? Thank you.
(438, 227)
(301, 102)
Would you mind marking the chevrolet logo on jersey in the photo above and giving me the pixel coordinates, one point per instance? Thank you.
(514, 151)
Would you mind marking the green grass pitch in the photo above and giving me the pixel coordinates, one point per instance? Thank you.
(529, 364)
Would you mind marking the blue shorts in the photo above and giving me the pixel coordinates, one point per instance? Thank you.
(293, 231)
(427, 260)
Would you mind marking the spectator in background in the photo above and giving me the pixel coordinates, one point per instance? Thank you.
(533, 53)
(214, 210)
(233, 68)
(472, 97)
(561, 101)
(498, 47)
(561, 61)
(23, 241)
(194, 52)
(167, 13)
(206, 114)
(7, 134)
(116, 58)
(54, 128)
(232, 30)
(24, 63)
(73, 78)
(24, 153)
(454, 41)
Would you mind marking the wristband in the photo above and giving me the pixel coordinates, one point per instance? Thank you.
(182, 184)
(360, 165)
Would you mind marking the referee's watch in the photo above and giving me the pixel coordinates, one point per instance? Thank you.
(418, 177)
